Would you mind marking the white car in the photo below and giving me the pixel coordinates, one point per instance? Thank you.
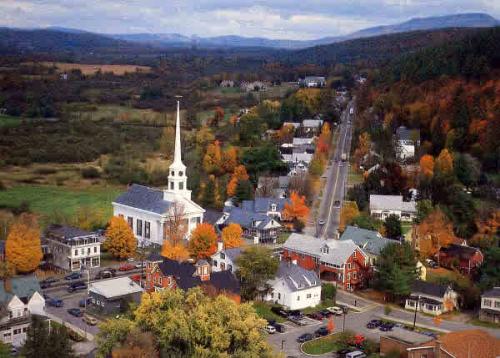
(271, 329)
(336, 310)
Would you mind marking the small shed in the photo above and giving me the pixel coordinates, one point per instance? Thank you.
(114, 295)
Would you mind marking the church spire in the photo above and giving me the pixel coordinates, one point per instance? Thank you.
(178, 150)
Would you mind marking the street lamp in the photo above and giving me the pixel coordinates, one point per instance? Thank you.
(344, 311)
(416, 308)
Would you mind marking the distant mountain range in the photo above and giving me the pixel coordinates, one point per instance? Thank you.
(427, 23)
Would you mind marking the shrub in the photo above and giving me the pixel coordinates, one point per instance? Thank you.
(24, 207)
(328, 291)
(298, 225)
(90, 173)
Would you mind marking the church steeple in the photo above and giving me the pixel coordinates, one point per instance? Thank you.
(177, 179)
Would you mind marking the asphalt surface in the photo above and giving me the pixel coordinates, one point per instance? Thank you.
(336, 182)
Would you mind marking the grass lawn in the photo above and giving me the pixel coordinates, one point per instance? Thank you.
(353, 177)
(263, 310)
(477, 322)
(322, 345)
(9, 121)
(283, 237)
(405, 228)
(49, 200)
(323, 305)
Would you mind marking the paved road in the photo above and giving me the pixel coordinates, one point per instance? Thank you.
(336, 179)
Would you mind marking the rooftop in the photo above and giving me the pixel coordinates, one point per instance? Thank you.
(247, 219)
(404, 133)
(428, 289)
(471, 343)
(391, 202)
(459, 251)
(370, 241)
(21, 286)
(296, 277)
(145, 198)
(263, 205)
(115, 287)
(493, 293)
(312, 123)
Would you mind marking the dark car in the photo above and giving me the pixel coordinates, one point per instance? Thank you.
(374, 323)
(326, 313)
(55, 302)
(105, 274)
(337, 203)
(296, 313)
(305, 337)
(47, 282)
(279, 327)
(341, 353)
(77, 286)
(75, 312)
(279, 311)
(73, 276)
(316, 315)
(82, 303)
(322, 331)
(385, 327)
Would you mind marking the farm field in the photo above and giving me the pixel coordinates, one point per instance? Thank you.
(88, 69)
(52, 200)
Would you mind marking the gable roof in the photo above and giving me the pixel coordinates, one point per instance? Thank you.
(391, 202)
(370, 241)
(246, 219)
(296, 277)
(428, 288)
(493, 293)
(233, 253)
(184, 276)
(144, 198)
(21, 286)
(312, 123)
(338, 251)
(263, 205)
(459, 251)
(115, 287)
(403, 133)
(66, 232)
(471, 343)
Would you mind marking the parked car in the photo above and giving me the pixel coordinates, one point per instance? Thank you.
(48, 282)
(279, 327)
(431, 263)
(341, 353)
(355, 354)
(297, 320)
(305, 337)
(270, 329)
(82, 303)
(75, 286)
(73, 276)
(387, 326)
(126, 267)
(75, 312)
(316, 315)
(105, 274)
(279, 311)
(336, 310)
(140, 265)
(89, 320)
(322, 331)
(326, 313)
(55, 302)
(296, 313)
(374, 323)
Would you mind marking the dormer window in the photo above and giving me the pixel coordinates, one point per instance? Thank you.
(273, 207)
(172, 173)
(180, 174)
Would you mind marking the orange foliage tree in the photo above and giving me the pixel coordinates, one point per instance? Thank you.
(435, 231)
(348, 212)
(203, 241)
(444, 162)
(285, 134)
(23, 247)
(120, 240)
(296, 208)
(240, 174)
(212, 161)
(175, 231)
(230, 159)
(364, 144)
(427, 166)
(487, 230)
(231, 236)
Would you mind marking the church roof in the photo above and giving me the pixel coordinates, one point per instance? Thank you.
(144, 198)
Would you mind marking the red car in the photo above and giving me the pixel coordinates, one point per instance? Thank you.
(126, 267)
(137, 277)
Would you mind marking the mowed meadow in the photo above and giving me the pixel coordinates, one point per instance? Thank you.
(90, 69)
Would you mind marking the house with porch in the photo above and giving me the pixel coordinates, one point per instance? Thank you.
(71, 248)
(431, 298)
(490, 306)
(406, 142)
(148, 210)
(340, 261)
(20, 297)
(382, 206)
(171, 274)
(462, 257)
(225, 259)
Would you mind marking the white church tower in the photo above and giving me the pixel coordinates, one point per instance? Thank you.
(177, 179)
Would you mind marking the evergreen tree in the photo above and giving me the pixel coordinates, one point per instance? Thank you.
(392, 226)
(59, 342)
(37, 339)
(244, 191)
(208, 198)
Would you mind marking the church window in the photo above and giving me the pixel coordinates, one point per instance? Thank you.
(76, 252)
(222, 255)
(180, 174)
(172, 173)
(147, 229)
(139, 227)
(181, 186)
(130, 222)
(222, 266)
(171, 186)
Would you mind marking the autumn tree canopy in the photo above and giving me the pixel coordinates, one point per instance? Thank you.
(23, 247)
(212, 161)
(175, 228)
(296, 208)
(434, 232)
(427, 166)
(232, 236)
(120, 240)
(240, 174)
(203, 241)
(348, 213)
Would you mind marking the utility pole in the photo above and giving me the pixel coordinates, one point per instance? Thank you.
(416, 308)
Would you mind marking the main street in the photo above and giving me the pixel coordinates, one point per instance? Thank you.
(333, 195)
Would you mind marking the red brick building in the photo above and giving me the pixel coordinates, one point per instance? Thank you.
(465, 258)
(342, 262)
(162, 273)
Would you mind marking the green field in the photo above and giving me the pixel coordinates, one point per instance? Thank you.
(52, 200)
(354, 178)
(264, 311)
(322, 345)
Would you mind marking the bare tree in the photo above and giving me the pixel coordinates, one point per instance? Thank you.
(176, 226)
(266, 187)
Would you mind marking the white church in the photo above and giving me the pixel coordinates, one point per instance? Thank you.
(147, 210)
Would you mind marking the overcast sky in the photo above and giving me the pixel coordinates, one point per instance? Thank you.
(284, 19)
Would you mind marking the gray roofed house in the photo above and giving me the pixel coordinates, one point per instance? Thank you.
(370, 241)
(145, 198)
(431, 298)
(406, 141)
(382, 206)
(490, 306)
(407, 134)
(294, 287)
(114, 295)
(21, 286)
(493, 293)
(225, 259)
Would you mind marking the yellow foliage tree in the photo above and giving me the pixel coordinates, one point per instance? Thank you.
(203, 241)
(120, 240)
(212, 161)
(444, 162)
(364, 144)
(435, 231)
(230, 159)
(427, 166)
(232, 236)
(240, 174)
(23, 248)
(177, 252)
(348, 213)
(296, 208)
